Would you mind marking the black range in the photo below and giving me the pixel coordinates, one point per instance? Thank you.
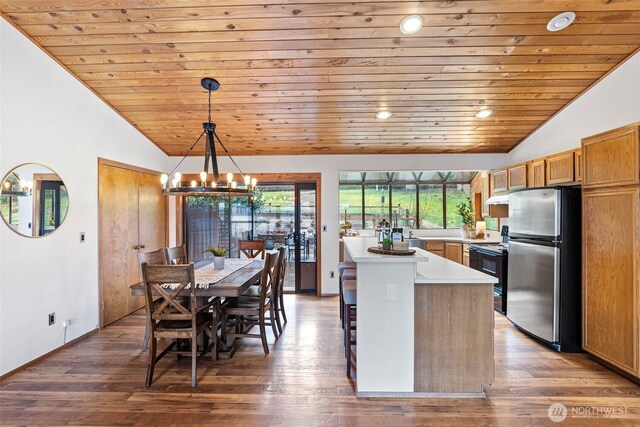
(493, 260)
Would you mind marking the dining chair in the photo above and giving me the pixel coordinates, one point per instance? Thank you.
(176, 255)
(169, 318)
(245, 313)
(279, 290)
(151, 258)
(252, 248)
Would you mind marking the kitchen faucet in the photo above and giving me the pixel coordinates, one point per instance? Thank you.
(410, 234)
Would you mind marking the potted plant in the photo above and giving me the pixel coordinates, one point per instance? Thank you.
(386, 244)
(218, 257)
(465, 209)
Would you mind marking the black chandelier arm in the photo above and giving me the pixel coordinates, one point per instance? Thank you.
(210, 152)
(185, 156)
(229, 155)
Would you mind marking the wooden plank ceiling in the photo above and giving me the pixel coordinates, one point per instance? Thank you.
(308, 76)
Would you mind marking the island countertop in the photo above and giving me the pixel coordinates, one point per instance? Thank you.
(442, 270)
(431, 268)
(357, 248)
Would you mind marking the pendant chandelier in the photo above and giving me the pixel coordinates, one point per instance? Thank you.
(204, 187)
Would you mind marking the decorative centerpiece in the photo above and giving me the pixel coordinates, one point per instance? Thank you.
(465, 209)
(386, 244)
(218, 257)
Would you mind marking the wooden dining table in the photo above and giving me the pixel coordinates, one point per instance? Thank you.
(230, 286)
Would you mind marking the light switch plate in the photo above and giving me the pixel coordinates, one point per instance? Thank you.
(390, 293)
(324, 227)
(82, 239)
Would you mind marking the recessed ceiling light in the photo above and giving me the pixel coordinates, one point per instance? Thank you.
(483, 114)
(560, 22)
(411, 24)
(384, 114)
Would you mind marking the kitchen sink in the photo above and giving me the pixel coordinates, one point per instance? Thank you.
(416, 243)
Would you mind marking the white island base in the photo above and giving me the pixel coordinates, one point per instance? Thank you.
(424, 325)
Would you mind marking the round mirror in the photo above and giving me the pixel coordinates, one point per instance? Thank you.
(33, 200)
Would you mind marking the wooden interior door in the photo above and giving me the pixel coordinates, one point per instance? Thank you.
(132, 213)
(152, 230)
(118, 210)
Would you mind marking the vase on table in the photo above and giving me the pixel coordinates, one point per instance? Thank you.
(218, 262)
(464, 231)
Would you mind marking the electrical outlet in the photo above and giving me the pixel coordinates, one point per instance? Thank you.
(332, 274)
(52, 318)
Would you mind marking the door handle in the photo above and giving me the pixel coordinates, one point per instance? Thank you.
(141, 246)
(138, 247)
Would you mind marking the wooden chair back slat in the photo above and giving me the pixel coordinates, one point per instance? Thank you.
(282, 270)
(170, 306)
(252, 248)
(176, 255)
(152, 258)
(269, 279)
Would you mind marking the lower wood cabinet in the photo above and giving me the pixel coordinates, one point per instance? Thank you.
(436, 247)
(453, 251)
(465, 254)
(611, 276)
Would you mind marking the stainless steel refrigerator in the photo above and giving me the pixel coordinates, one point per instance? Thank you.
(544, 297)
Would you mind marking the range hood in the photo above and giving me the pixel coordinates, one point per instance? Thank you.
(498, 200)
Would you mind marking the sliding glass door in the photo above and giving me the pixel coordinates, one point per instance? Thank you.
(285, 215)
(282, 214)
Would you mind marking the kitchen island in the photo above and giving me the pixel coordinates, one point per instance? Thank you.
(425, 325)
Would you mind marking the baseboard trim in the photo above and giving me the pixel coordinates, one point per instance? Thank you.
(614, 368)
(44, 356)
(480, 395)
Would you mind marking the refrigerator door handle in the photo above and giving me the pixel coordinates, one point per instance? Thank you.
(556, 295)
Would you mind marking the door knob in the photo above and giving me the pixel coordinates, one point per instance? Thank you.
(137, 247)
(142, 246)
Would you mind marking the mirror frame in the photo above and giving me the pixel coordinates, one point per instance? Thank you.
(34, 191)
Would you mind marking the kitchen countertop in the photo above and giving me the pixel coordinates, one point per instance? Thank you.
(431, 268)
(357, 247)
(442, 270)
(495, 238)
(490, 241)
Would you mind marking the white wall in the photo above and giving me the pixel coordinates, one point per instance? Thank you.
(613, 102)
(48, 117)
(330, 166)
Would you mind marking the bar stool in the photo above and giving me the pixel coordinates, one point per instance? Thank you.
(347, 274)
(350, 313)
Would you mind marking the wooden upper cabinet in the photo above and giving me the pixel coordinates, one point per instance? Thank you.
(499, 181)
(577, 160)
(517, 177)
(612, 158)
(560, 168)
(537, 175)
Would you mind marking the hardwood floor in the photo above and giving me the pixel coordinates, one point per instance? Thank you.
(302, 382)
